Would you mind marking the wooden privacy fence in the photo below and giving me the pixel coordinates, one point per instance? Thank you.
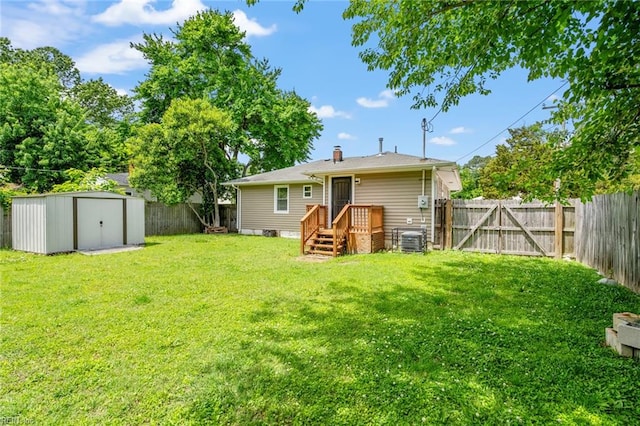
(506, 227)
(5, 228)
(607, 233)
(162, 219)
(602, 233)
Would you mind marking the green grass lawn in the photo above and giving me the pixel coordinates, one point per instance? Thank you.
(227, 329)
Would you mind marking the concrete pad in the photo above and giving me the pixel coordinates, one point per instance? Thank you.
(110, 250)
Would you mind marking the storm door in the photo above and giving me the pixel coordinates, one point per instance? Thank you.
(340, 194)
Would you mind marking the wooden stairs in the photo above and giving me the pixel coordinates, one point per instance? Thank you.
(322, 243)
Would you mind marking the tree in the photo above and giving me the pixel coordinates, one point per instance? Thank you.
(453, 48)
(51, 120)
(92, 180)
(183, 155)
(523, 167)
(41, 134)
(470, 177)
(110, 116)
(210, 60)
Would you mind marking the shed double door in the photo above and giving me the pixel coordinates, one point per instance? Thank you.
(99, 223)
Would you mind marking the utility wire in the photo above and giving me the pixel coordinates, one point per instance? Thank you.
(32, 168)
(514, 122)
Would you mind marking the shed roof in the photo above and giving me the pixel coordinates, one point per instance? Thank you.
(85, 194)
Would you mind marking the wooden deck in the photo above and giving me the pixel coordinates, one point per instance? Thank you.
(357, 229)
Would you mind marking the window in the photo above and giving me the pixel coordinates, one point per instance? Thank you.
(281, 199)
(306, 191)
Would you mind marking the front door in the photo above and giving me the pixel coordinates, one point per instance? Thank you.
(340, 194)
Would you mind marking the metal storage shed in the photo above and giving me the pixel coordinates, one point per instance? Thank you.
(64, 222)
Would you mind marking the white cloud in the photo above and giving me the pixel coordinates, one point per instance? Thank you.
(143, 12)
(44, 23)
(346, 136)
(459, 130)
(327, 111)
(442, 140)
(58, 7)
(121, 92)
(251, 27)
(384, 98)
(111, 58)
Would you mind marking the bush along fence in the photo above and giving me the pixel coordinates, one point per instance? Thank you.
(602, 233)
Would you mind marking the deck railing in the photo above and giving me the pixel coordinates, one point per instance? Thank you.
(314, 220)
(366, 219)
(341, 225)
(356, 219)
(352, 219)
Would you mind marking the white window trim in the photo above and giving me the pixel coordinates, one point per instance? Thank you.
(275, 199)
(310, 191)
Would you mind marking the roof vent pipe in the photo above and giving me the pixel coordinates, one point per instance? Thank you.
(337, 153)
(380, 149)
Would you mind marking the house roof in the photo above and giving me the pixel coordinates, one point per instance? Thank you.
(378, 163)
(121, 178)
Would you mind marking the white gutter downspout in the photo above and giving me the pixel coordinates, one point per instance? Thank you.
(433, 204)
(324, 192)
(238, 208)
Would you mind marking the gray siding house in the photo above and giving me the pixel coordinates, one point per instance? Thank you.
(404, 186)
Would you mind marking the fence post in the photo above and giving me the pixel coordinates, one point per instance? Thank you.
(559, 227)
(448, 224)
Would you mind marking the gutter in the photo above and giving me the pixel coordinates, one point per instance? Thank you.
(433, 204)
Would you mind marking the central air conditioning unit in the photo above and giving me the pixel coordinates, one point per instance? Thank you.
(412, 242)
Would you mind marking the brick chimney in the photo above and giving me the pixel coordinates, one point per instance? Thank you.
(337, 153)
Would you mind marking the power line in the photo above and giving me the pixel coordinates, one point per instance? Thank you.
(514, 122)
(33, 169)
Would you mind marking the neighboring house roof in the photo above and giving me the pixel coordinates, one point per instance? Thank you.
(121, 178)
(378, 163)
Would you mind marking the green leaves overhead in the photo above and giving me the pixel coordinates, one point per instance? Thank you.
(441, 51)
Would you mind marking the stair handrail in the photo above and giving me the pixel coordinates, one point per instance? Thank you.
(311, 223)
(341, 225)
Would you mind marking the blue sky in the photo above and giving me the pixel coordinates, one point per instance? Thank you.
(314, 51)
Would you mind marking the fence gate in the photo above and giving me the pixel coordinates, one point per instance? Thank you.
(507, 227)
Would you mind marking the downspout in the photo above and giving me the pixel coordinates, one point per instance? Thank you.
(433, 204)
(422, 218)
(324, 200)
(238, 208)
(324, 193)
